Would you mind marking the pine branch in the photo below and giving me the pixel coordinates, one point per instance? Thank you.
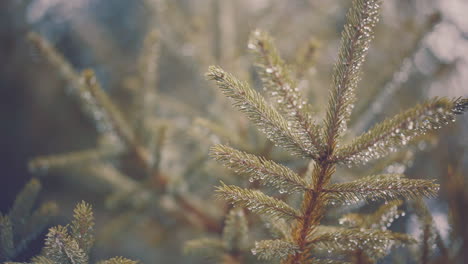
(277, 81)
(76, 159)
(258, 168)
(208, 247)
(54, 57)
(7, 249)
(146, 94)
(36, 223)
(41, 260)
(22, 207)
(76, 83)
(327, 261)
(279, 228)
(305, 58)
(60, 247)
(398, 130)
(256, 202)
(221, 132)
(235, 232)
(383, 186)
(374, 243)
(262, 114)
(380, 219)
(118, 260)
(356, 37)
(274, 249)
(107, 107)
(82, 226)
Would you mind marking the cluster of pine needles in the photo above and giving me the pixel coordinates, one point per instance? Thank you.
(294, 210)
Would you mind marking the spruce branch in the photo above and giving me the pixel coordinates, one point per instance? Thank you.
(258, 168)
(398, 130)
(60, 247)
(356, 37)
(221, 132)
(274, 249)
(24, 202)
(145, 100)
(375, 243)
(376, 187)
(76, 159)
(235, 232)
(118, 260)
(277, 81)
(7, 249)
(208, 247)
(82, 226)
(107, 107)
(41, 260)
(380, 219)
(262, 114)
(21, 224)
(279, 228)
(54, 57)
(305, 58)
(256, 202)
(76, 82)
(328, 261)
(36, 223)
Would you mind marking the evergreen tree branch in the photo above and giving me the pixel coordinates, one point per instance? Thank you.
(398, 130)
(118, 260)
(7, 249)
(60, 247)
(39, 219)
(380, 219)
(277, 81)
(76, 158)
(258, 168)
(375, 187)
(261, 113)
(22, 207)
(146, 95)
(306, 58)
(208, 247)
(375, 243)
(356, 37)
(274, 249)
(256, 202)
(41, 260)
(235, 232)
(82, 226)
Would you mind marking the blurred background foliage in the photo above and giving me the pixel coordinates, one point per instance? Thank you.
(420, 50)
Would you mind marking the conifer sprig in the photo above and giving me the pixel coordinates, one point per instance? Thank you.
(60, 247)
(206, 247)
(145, 100)
(235, 232)
(22, 224)
(376, 187)
(375, 243)
(232, 245)
(118, 260)
(398, 130)
(82, 226)
(274, 249)
(257, 168)
(257, 202)
(279, 84)
(267, 118)
(356, 37)
(71, 244)
(380, 219)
